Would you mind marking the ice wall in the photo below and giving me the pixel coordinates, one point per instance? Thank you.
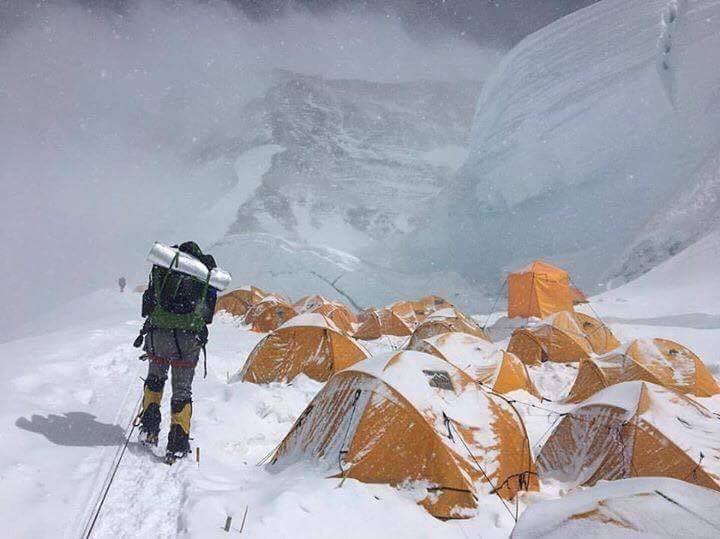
(581, 138)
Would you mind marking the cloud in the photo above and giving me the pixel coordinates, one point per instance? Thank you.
(102, 110)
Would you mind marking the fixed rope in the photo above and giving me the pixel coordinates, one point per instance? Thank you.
(681, 506)
(117, 459)
(589, 304)
(497, 299)
(297, 425)
(540, 440)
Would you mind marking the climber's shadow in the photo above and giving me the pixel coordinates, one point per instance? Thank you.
(73, 429)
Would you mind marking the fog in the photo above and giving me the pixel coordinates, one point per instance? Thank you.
(102, 109)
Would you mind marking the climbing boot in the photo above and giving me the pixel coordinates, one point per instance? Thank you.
(150, 416)
(179, 437)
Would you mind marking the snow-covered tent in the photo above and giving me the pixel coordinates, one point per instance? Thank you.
(634, 429)
(638, 507)
(364, 315)
(427, 305)
(269, 314)
(397, 319)
(411, 418)
(405, 311)
(558, 338)
(538, 290)
(310, 303)
(599, 336)
(578, 296)
(444, 321)
(340, 314)
(658, 361)
(309, 344)
(238, 302)
(498, 370)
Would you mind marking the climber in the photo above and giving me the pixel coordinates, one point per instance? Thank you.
(178, 308)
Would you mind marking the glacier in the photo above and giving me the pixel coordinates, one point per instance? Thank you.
(586, 139)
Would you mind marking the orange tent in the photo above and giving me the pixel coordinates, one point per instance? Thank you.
(558, 338)
(309, 344)
(310, 303)
(407, 417)
(578, 296)
(427, 305)
(659, 361)
(538, 290)
(599, 336)
(405, 311)
(634, 429)
(339, 314)
(364, 315)
(500, 371)
(385, 322)
(238, 302)
(445, 321)
(269, 314)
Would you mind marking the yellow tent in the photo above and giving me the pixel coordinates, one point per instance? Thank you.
(578, 296)
(558, 338)
(427, 305)
(238, 302)
(309, 344)
(310, 303)
(445, 321)
(405, 311)
(407, 417)
(341, 315)
(364, 315)
(384, 322)
(599, 336)
(538, 290)
(659, 361)
(496, 369)
(634, 429)
(269, 314)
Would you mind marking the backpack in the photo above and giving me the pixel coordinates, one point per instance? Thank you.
(174, 300)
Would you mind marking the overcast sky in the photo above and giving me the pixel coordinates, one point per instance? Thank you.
(102, 102)
(489, 22)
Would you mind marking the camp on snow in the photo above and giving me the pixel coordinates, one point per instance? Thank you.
(409, 416)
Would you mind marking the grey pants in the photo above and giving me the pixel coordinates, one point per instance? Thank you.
(179, 350)
(182, 379)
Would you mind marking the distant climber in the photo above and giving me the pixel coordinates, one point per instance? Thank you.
(121, 283)
(178, 308)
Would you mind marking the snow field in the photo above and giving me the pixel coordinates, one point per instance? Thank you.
(71, 392)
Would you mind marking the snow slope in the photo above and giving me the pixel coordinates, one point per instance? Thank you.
(70, 395)
(581, 145)
(71, 391)
(685, 285)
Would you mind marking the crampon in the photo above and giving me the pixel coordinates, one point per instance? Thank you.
(149, 439)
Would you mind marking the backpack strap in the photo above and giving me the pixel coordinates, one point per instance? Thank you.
(204, 361)
(175, 262)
